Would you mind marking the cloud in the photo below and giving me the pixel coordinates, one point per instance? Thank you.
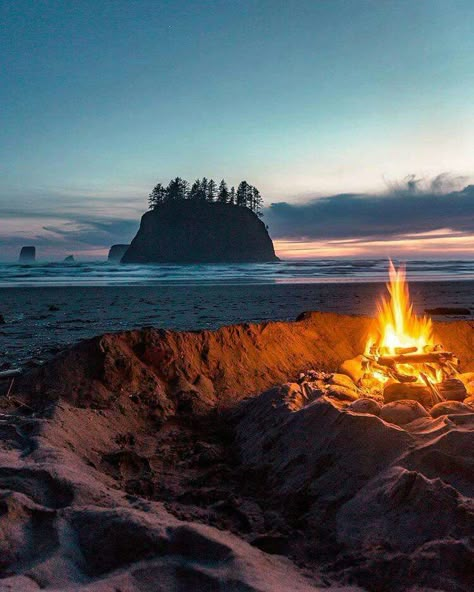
(413, 207)
(93, 232)
(57, 236)
(60, 223)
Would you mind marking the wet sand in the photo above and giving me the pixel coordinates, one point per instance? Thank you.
(41, 321)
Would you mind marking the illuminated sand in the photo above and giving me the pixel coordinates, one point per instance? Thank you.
(130, 440)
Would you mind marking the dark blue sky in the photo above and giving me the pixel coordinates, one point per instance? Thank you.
(99, 100)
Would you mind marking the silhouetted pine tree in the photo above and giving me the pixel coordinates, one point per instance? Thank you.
(257, 202)
(232, 195)
(157, 196)
(194, 192)
(223, 193)
(211, 190)
(203, 193)
(177, 189)
(244, 194)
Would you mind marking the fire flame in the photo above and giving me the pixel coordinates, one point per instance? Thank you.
(397, 325)
(399, 330)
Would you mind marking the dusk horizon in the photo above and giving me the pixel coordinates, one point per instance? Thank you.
(103, 100)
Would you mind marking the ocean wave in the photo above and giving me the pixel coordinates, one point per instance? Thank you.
(288, 272)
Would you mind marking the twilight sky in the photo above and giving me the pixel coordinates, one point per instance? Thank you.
(327, 106)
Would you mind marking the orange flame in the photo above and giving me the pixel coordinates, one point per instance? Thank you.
(398, 328)
(397, 325)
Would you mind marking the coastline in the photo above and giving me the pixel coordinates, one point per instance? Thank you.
(40, 322)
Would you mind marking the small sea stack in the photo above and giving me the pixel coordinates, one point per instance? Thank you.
(117, 252)
(27, 255)
(69, 259)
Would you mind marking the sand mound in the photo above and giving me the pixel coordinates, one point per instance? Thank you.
(379, 502)
(138, 463)
(68, 523)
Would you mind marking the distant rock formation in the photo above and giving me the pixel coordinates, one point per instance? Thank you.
(27, 255)
(69, 259)
(200, 232)
(117, 252)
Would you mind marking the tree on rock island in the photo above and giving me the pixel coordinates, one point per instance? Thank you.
(157, 196)
(246, 196)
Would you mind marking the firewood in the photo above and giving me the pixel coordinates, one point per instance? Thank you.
(406, 350)
(436, 396)
(415, 358)
(389, 371)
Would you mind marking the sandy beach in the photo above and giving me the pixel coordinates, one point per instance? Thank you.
(153, 461)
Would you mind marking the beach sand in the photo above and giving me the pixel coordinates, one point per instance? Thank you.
(153, 461)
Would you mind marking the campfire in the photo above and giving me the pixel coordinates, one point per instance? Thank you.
(402, 354)
(404, 366)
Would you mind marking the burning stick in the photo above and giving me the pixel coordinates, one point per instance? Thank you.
(437, 397)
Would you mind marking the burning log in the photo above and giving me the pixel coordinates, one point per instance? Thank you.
(371, 365)
(436, 357)
(406, 350)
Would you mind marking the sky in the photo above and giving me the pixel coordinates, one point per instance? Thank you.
(344, 114)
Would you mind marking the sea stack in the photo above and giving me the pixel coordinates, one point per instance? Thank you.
(190, 231)
(27, 255)
(69, 259)
(117, 252)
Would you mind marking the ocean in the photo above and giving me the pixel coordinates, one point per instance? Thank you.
(283, 272)
(48, 307)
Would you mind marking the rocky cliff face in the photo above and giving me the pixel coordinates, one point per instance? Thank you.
(200, 232)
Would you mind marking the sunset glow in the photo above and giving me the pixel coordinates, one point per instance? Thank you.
(436, 244)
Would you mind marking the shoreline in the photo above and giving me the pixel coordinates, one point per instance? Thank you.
(40, 322)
